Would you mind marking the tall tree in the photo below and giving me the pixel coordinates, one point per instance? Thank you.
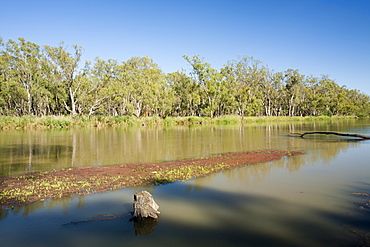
(294, 83)
(272, 97)
(186, 92)
(66, 68)
(97, 84)
(25, 60)
(330, 92)
(247, 76)
(313, 100)
(210, 82)
(141, 85)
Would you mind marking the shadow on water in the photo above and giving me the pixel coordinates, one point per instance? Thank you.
(190, 216)
(245, 220)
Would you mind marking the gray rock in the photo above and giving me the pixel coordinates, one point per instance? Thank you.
(145, 206)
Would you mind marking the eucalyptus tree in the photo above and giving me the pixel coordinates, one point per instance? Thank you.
(246, 77)
(138, 72)
(351, 102)
(227, 104)
(362, 102)
(232, 91)
(186, 92)
(142, 88)
(273, 95)
(330, 91)
(279, 102)
(22, 69)
(313, 100)
(121, 88)
(12, 95)
(294, 83)
(217, 92)
(65, 66)
(166, 98)
(97, 86)
(348, 104)
(210, 82)
(5, 82)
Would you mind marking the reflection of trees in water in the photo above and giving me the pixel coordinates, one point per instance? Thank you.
(252, 174)
(31, 151)
(22, 152)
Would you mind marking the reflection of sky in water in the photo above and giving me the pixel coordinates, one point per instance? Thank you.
(302, 200)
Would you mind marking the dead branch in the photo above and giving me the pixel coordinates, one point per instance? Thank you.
(334, 133)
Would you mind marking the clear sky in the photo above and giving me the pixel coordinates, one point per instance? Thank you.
(317, 37)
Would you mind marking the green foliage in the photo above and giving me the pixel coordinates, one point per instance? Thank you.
(50, 81)
(187, 172)
(66, 122)
(51, 122)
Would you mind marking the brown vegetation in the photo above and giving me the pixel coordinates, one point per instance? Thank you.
(25, 189)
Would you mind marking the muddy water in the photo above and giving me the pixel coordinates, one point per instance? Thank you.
(303, 200)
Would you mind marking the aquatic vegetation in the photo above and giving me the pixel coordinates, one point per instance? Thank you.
(24, 189)
(188, 172)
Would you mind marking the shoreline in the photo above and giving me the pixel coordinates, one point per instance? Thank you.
(67, 122)
(25, 189)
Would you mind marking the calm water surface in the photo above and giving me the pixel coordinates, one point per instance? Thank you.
(303, 200)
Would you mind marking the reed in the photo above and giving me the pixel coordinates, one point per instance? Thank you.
(66, 122)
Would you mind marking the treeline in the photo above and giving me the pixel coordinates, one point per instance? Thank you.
(45, 80)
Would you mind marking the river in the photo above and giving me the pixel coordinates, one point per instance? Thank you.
(305, 200)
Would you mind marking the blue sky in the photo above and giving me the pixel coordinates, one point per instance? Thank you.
(317, 37)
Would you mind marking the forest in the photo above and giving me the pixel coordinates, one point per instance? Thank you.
(45, 80)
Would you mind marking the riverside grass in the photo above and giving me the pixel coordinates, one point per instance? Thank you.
(67, 122)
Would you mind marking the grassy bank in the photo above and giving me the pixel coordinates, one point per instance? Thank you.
(66, 122)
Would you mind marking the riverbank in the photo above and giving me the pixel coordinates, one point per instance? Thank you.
(21, 190)
(67, 122)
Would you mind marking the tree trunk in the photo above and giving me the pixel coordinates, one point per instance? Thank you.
(73, 102)
(145, 206)
(29, 100)
(335, 133)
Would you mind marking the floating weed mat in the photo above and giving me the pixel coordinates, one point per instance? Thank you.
(25, 189)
